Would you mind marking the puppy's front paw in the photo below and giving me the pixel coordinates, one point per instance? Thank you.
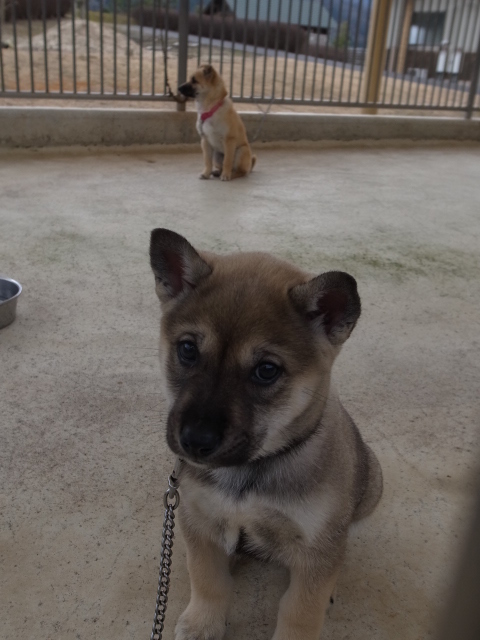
(204, 176)
(226, 176)
(216, 173)
(194, 624)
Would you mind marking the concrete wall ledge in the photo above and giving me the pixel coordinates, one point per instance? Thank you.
(39, 127)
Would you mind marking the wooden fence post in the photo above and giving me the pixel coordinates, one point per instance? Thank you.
(403, 47)
(376, 51)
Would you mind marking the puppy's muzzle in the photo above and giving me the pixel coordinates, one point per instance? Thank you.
(199, 438)
(187, 90)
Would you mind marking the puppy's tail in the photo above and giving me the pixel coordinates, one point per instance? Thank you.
(254, 159)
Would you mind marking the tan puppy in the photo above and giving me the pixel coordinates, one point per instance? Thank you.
(226, 151)
(273, 464)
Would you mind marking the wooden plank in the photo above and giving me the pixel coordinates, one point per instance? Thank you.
(376, 52)
(407, 23)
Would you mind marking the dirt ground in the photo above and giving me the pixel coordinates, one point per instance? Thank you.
(123, 66)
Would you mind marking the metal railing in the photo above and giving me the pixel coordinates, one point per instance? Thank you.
(389, 54)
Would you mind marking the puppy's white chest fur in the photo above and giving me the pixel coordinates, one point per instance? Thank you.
(268, 525)
(213, 130)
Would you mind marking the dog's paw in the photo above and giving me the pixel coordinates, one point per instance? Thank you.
(216, 173)
(226, 176)
(204, 176)
(200, 626)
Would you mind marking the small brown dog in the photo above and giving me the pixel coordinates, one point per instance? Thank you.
(273, 464)
(226, 151)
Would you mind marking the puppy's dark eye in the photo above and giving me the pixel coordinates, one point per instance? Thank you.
(266, 373)
(193, 80)
(187, 352)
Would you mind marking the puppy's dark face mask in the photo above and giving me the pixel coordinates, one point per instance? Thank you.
(188, 89)
(247, 345)
(205, 80)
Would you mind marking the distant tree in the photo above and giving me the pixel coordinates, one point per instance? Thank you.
(342, 39)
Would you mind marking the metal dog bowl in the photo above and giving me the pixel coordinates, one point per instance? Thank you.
(9, 293)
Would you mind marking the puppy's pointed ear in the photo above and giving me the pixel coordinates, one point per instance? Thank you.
(177, 266)
(330, 302)
(208, 70)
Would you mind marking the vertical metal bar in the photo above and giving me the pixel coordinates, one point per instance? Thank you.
(234, 40)
(266, 47)
(451, 35)
(222, 37)
(29, 16)
(430, 7)
(449, 40)
(470, 45)
(357, 31)
(443, 81)
(474, 83)
(183, 9)
(460, 21)
(437, 13)
(154, 41)
(336, 52)
(245, 22)
(325, 59)
(466, 43)
(74, 52)
(457, 42)
(200, 32)
(295, 64)
(277, 37)
(45, 55)
(415, 56)
(392, 54)
(101, 50)
(346, 50)
(128, 44)
(15, 44)
(165, 40)
(140, 80)
(210, 34)
(307, 52)
(255, 48)
(401, 17)
(87, 14)
(2, 20)
(435, 78)
(114, 47)
(319, 33)
(287, 38)
(400, 98)
(414, 60)
(59, 32)
(362, 70)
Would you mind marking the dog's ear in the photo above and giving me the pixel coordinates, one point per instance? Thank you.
(208, 71)
(331, 302)
(177, 266)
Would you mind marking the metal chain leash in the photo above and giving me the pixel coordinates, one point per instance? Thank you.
(171, 500)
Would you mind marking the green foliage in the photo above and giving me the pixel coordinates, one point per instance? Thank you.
(342, 40)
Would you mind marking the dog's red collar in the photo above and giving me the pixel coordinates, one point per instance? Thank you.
(209, 114)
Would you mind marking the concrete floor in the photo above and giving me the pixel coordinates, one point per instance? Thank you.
(84, 461)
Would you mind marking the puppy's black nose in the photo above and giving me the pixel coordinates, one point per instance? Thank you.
(187, 90)
(200, 439)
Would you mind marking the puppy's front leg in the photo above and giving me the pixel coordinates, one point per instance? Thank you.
(229, 157)
(211, 589)
(303, 606)
(207, 159)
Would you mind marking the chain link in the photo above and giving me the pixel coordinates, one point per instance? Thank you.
(171, 500)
